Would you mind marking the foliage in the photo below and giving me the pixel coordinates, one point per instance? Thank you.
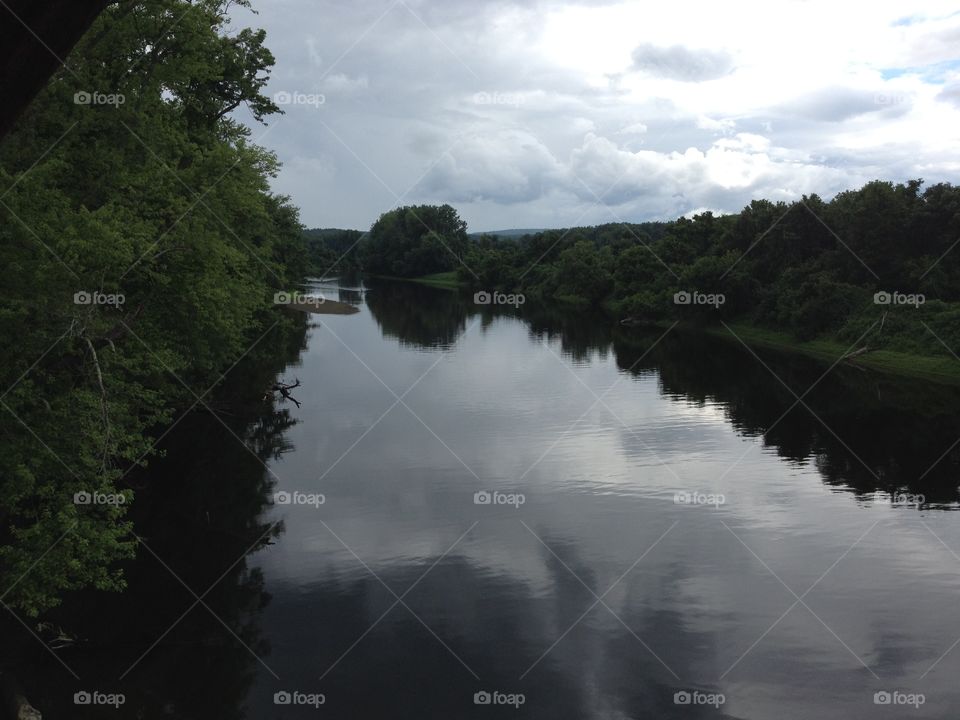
(811, 268)
(330, 251)
(414, 240)
(159, 200)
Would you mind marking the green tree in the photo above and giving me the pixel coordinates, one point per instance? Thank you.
(581, 273)
(142, 247)
(412, 241)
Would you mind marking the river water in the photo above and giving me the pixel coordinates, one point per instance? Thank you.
(497, 512)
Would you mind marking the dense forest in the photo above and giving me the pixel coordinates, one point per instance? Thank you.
(142, 247)
(332, 250)
(872, 267)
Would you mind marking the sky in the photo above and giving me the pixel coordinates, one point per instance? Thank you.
(546, 113)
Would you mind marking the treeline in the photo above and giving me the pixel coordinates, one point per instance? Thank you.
(876, 263)
(141, 248)
(331, 251)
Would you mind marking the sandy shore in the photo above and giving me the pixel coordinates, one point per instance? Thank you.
(328, 307)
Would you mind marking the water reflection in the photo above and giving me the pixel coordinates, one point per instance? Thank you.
(599, 596)
(694, 599)
(183, 640)
(417, 315)
(864, 431)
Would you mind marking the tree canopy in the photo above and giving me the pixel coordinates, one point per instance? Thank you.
(414, 240)
(814, 268)
(142, 247)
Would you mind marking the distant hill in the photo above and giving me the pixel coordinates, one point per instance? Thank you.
(328, 232)
(516, 232)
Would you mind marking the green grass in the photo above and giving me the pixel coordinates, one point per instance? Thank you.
(943, 369)
(444, 279)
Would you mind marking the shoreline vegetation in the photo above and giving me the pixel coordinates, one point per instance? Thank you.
(869, 277)
(130, 306)
(442, 279)
(445, 280)
(939, 369)
(931, 368)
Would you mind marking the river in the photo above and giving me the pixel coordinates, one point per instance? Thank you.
(481, 512)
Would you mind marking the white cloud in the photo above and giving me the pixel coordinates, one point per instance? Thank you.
(681, 63)
(950, 92)
(729, 171)
(687, 109)
(634, 129)
(340, 83)
(835, 104)
(744, 141)
(504, 166)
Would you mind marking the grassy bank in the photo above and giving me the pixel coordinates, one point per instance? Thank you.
(446, 280)
(942, 369)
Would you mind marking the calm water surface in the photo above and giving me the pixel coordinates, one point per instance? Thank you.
(599, 596)
(666, 517)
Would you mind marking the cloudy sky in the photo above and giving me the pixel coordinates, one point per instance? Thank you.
(546, 113)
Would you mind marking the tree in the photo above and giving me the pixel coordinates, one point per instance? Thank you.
(412, 241)
(581, 274)
(143, 247)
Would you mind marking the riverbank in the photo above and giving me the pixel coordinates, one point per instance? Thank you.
(324, 307)
(445, 280)
(941, 369)
(937, 369)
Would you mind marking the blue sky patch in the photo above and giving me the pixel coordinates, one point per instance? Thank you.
(935, 73)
